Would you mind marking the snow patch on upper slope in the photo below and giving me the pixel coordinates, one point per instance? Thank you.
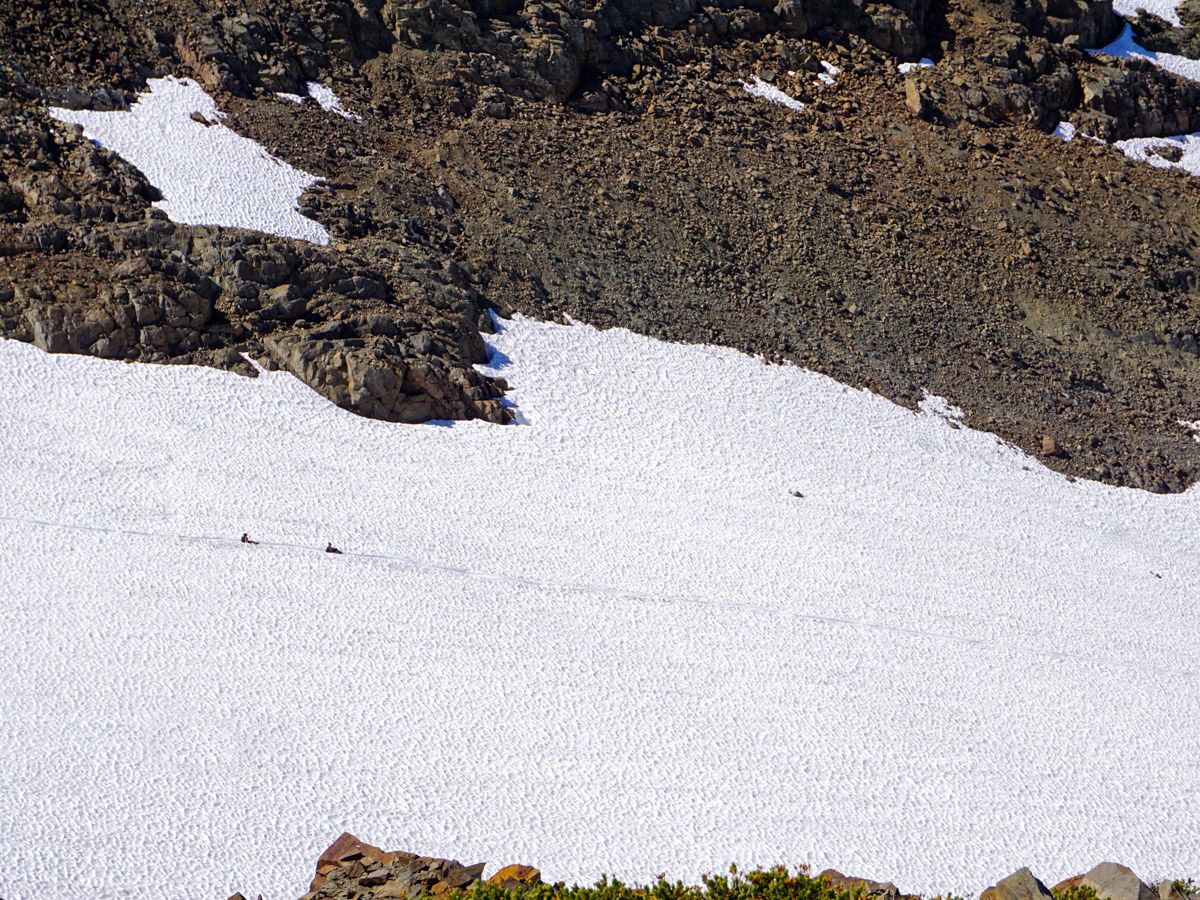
(612, 640)
(329, 101)
(758, 88)
(1173, 152)
(1126, 47)
(207, 173)
(1179, 152)
(1164, 9)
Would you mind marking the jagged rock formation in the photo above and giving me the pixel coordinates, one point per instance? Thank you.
(350, 869)
(396, 340)
(599, 159)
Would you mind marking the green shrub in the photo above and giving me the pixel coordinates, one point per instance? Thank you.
(770, 884)
(1075, 892)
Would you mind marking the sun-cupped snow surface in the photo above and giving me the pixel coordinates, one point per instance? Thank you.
(610, 640)
(1164, 9)
(758, 88)
(207, 173)
(329, 101)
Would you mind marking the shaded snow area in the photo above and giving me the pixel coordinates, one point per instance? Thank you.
(207, 173)
(829, 73)
(329, 101)
(1174, 152)
(1127, 47)
(923, 63)
(609, 640)
(1164, 9)
(759, 88)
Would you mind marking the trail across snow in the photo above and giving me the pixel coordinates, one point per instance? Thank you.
(608, 640)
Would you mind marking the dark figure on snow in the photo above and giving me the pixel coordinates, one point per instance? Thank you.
(329, 548)
(246, 539)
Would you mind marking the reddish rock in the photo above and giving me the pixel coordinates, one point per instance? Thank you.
(876, 890)
(346, 849)
(514, 876)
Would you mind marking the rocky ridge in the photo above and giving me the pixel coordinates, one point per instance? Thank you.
(905, 233)
(350, 869)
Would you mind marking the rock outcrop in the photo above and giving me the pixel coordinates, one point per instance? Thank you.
(600, 160)
(350, 868)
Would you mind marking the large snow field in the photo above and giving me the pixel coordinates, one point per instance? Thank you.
(207, 173)
(607, 640)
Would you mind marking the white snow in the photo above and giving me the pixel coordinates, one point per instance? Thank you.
(829, 76)
(1065, 130)
(329, 101)
(1127, 47)
(290, 98)
(1164, 9)
(208, 174)
(610, 640)
(759, 88)
(1149, 150)
(1158, 152)
(923, 63)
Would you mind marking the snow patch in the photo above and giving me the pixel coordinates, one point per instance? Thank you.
(1179, 152)
(940, 406)
(1065, 130)
(614, 635)
(291, 98)
(923, 63)
(1127, 47)
(207, 173)
(1164, 9)
(758, 88)
(829, 76)
(1176, 152)
(329, 101)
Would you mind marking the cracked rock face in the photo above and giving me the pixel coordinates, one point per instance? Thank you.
(350, 868)
(904, 233)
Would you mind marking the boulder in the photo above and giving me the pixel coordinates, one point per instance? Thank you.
(1112, 881)
(519, 876)
(878, 890)
(1169, 890)
(1020, 885)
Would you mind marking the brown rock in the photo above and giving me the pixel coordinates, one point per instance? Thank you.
(915, 99)
(347, 848)
(516, 875)
(879, 890)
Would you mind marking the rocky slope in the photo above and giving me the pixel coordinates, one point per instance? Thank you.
(600, 159)
(350, 869)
